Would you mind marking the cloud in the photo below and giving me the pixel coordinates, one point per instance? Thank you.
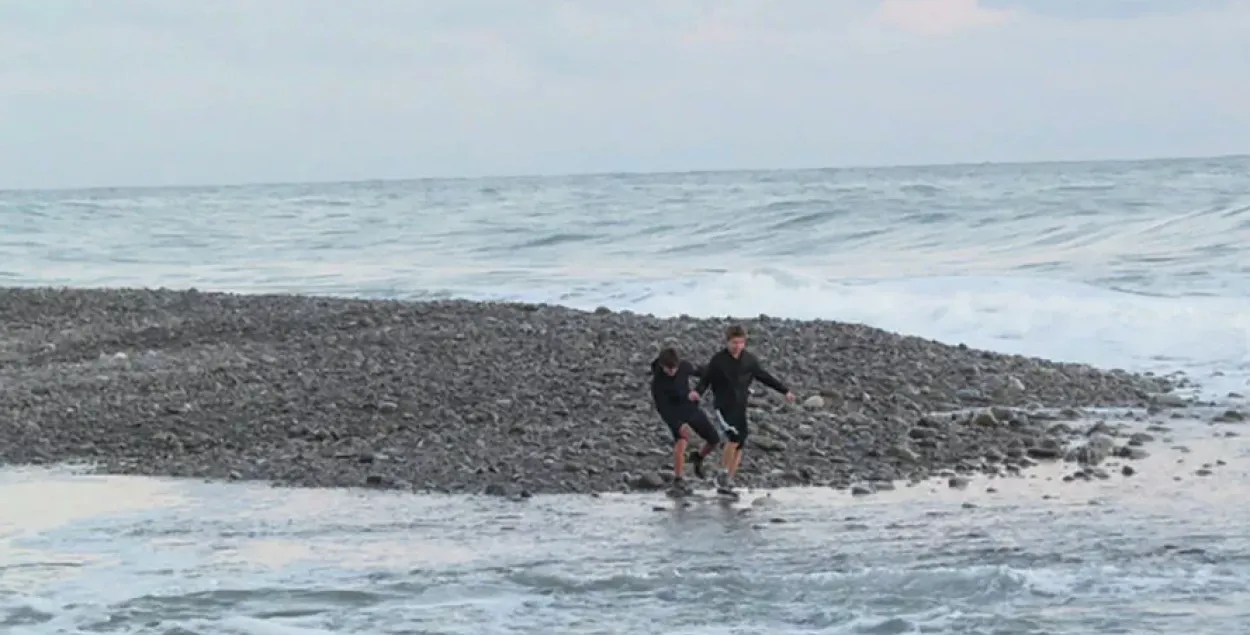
(1106, 9)
(174, 91)
(940, 17)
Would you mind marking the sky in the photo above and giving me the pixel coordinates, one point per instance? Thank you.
(182, 92)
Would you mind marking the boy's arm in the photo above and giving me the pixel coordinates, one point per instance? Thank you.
(766, 378)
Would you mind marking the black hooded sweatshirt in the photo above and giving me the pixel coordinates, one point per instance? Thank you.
(671, 393)
(730, 379)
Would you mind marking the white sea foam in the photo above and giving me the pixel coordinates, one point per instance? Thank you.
(1206, 337)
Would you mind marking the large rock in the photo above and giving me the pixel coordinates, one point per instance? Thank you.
(1093, 451)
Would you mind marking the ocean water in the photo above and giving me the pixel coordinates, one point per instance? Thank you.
(1138, 265)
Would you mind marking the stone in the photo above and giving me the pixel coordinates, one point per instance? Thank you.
(861, 490)
(985, 418)
(1045, 452)
(1230, 416)
(1170, 400)
(1132, 453)
(969, 394)
(766, 444)
(650, 481)
(495, 397)
(1094, 451)
(905, 453)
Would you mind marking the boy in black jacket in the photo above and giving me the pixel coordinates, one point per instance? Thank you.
(678, 406)
(729, 374)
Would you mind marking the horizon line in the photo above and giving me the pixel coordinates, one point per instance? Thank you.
(687, 172)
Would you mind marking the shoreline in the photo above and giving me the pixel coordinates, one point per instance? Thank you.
(460, 396)
(1181, 458)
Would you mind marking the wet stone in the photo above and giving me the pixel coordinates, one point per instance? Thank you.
(497, 398)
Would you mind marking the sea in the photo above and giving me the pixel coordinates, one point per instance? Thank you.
(1140, 265)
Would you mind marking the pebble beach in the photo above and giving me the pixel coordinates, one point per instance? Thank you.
(507, 398)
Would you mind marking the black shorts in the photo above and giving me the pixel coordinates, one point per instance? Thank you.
(696, 419)
(733, 421)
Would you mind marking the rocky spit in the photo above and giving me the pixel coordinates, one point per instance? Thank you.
(460, 396)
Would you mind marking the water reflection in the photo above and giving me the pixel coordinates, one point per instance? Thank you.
(33, 502)
(114, 554)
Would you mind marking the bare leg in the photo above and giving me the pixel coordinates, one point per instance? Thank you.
(729, 458)
(733, 470)
(679, 458)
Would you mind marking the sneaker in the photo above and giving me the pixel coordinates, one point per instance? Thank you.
(679, 488)
(722, 479)
(696, 461)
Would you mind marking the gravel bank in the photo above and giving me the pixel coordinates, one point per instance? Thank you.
(462, 396)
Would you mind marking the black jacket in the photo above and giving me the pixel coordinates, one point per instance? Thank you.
(671, 393)
(731, 378)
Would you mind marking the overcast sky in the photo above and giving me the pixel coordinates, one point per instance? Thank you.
(163, 92)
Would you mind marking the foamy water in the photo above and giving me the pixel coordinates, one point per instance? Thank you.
(1137, 264)
(1141, 266)
(1148, 554)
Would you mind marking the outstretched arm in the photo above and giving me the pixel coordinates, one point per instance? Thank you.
(767, 378)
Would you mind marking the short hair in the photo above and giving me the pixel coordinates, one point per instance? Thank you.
(669, 358)
(737, 330)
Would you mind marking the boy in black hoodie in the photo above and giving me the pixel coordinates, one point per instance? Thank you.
(678, 406)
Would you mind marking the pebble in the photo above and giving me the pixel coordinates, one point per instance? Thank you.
(506, 399)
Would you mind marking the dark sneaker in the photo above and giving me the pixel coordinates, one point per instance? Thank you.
(679, 488)
(696, 461)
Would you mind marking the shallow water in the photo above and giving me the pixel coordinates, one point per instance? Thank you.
(1140, 265)
(1142, 554)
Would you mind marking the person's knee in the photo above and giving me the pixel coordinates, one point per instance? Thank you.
(711, 438)
(681, 435)
(675, 432)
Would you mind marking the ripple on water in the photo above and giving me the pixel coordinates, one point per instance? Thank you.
(130, 555)
(1095, 220)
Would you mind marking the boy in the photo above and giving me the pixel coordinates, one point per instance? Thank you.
(679, 408)
(729, 373)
